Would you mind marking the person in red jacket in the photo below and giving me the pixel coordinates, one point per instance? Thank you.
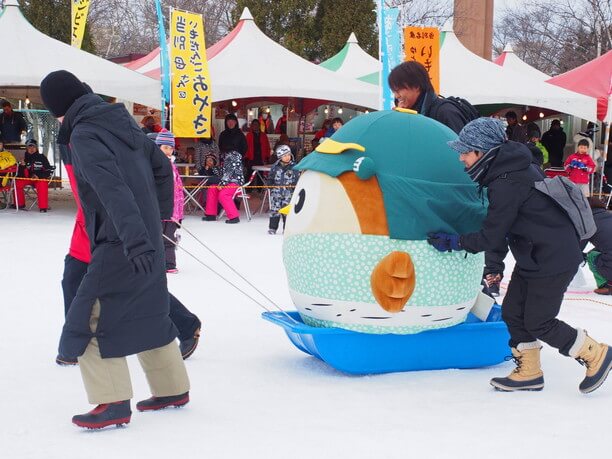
(580, 167)
(258, 148)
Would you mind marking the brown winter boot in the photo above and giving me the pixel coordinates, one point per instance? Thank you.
(527, 375)
(596, 357)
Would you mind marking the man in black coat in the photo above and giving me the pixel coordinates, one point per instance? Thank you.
(600, 258)
(545, 246)
(554, 140)
(412, 88)
(232, 138)
(121, 306)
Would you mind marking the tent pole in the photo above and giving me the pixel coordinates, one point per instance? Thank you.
(605, 156)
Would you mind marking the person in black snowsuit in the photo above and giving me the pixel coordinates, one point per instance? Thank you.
(554, 140)
(232, 138)
(412, 88)
(600, 258)
(546, 248)
(121, 307)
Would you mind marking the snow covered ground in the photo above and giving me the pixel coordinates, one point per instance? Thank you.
(256, 396)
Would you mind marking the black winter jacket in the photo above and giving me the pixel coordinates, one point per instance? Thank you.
(442, 110)
(232, 139)
(541, 236)
(37, 165)
(125, 184)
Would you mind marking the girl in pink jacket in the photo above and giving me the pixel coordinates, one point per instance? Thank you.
(165, 141)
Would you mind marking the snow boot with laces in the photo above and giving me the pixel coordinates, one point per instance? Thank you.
(596, 357)
(104, 415)
(527, 375)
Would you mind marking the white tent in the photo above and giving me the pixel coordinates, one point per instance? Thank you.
(29, 55)
(464, 74)
(509, 60)
(352, 61)
(246, 64)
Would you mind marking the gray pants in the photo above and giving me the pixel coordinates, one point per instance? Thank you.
(108, 380)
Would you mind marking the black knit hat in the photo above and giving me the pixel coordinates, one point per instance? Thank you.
(59, 90)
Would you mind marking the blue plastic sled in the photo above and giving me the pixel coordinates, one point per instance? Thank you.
(473, 344)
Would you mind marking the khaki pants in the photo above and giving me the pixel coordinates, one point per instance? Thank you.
(108, 380)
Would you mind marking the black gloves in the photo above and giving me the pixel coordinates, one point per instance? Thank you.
(143, 263)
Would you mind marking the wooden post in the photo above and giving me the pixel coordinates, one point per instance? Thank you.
(473, 25)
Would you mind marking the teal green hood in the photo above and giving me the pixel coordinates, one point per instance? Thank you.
(423, 183)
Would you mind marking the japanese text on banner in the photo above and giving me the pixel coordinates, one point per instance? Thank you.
(422, 44)
(79, 10)
(190, 79)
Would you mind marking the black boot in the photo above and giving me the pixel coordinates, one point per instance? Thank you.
(105, 415)
(209, 218)
(233, 220)
(189, 346)
(66, 361)
(159, 403)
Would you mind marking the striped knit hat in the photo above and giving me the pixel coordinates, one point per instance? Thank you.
(165, 137)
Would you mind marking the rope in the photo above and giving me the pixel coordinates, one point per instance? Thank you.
(227, 280)
(589, 299)
(184, 186)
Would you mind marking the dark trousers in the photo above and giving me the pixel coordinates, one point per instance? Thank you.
(169, 230)
(74, 270)
(530, 311)
(275, 220)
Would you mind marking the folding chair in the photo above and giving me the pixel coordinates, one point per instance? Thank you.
(7, 185)
(241, 193)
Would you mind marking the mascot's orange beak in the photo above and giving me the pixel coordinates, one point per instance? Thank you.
(285, 210)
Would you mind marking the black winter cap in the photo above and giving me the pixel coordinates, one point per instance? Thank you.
(59, 90)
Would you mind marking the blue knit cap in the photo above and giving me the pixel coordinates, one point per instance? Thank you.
(481, 134)
(165, 137)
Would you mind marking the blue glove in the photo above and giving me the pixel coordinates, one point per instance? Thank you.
(574, 163)
(444, 242)
(584, 167)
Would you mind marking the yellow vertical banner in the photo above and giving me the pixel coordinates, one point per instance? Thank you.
(190, 80)
(422, 44)
(79, 10)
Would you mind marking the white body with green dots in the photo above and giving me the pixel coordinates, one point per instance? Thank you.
(329, 264)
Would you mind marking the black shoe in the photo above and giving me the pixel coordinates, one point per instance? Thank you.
(66, 361)
(209, 218)
(43, 210)
(159, 403)
(13, 206)
(188, 346)
(105, 415)
(233, 220)
(491, 284)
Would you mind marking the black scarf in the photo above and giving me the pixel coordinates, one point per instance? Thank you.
(480, 167)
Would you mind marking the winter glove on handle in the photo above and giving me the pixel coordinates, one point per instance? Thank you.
(143, 263)
(444, 242)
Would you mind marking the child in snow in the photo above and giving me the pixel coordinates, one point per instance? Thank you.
(580, 167)
(285, 178)
(231, 178)
(165, 142)
(209, 167)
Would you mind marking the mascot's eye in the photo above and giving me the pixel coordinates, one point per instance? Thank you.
(301, 199)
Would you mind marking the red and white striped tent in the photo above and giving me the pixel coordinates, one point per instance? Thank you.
(247, 65)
